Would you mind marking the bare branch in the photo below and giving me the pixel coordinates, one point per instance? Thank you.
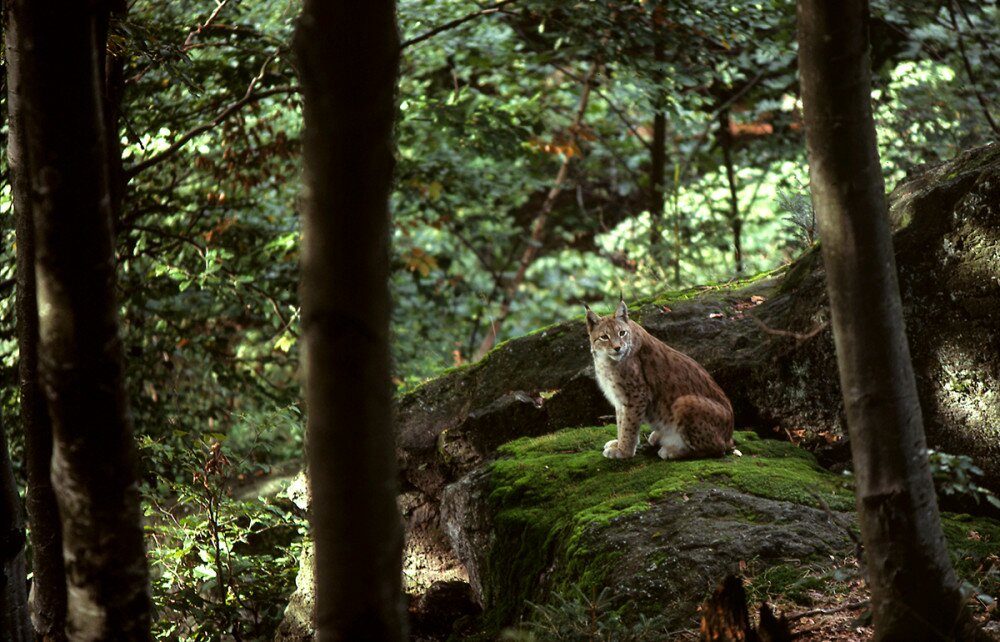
(455, 23)
(968, 70)
(847, 606)
(200, 129)
(798, 336)
(219, 4)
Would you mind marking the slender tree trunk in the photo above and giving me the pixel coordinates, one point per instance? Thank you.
(915, 593)
(94, 464)
(112, 66)
(348, 59)
(537, 229)
(14, 623)
(658, 161)
(656, 187)
(48, 584)
(735, 222)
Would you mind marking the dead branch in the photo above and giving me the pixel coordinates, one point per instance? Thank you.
(798, 336)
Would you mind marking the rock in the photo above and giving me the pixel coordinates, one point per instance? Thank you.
(552, 515)
(767, 342)
(445, 608)
(299, 623)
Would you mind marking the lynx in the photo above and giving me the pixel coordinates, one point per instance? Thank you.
(648, 381)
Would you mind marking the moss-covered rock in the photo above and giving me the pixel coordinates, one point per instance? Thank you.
(551, 513)
(767, 342)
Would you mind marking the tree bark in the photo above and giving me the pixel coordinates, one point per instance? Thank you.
(48, 584)
(348, 59)
(915, 593)
(94, 464)
(658, 160)
(735, 222)
(656, 187)
(14, 623)
(112, 66)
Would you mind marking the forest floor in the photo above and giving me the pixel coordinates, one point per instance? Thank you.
(840, 612)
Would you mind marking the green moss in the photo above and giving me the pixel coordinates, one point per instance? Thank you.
(722, 287)
(548, 491)
(974, 543)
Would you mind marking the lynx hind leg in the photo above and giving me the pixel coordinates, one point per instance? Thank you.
(705, 426)
(672, 444)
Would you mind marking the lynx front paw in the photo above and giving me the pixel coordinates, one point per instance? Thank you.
(612, 451)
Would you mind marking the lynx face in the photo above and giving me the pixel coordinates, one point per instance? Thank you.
(610, 337)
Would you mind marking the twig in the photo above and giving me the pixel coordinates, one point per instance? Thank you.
(976, 34)
(849, 606)
(455, 23)
(859, 546)
(538, 225)
(219, 4)
(611, 105)
(798, 336)
(968, 70)
(201, 129)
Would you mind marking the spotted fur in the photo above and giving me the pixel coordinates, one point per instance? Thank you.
(648, 381)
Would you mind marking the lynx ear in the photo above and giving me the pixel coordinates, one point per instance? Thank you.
(622, 311)
(592, 319)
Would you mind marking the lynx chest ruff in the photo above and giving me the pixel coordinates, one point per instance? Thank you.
(647, 381)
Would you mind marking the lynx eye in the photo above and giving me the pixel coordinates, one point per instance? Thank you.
(603, 337)
(622, 333)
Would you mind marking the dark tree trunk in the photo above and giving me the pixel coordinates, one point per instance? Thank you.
(94, 465)
(112, 66)
(658, 160)
(914, 589)
(656, 187)
(735, 222)
(14, 623)
(48, 584)
(348, 60)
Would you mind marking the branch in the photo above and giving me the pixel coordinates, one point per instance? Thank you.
(201, 129)
(798, 336)
(968, 70)
(454, 23)
(538, 225)
(848, 606)
(617, 111)
(976, 34)
(219, 4)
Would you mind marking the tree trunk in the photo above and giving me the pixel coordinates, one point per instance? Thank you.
(112, 67)
(14, 623)
(658, 160)
(914, 589)
(735, 222)
(48, 584)
(94, 464)
(348, 58)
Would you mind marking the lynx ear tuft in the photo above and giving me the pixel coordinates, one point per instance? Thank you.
(592, 319)
(622, 311)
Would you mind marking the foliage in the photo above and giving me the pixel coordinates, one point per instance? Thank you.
(972, 542)
(207, 238)
(223, 560)
(956, 475)
(578, 617)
